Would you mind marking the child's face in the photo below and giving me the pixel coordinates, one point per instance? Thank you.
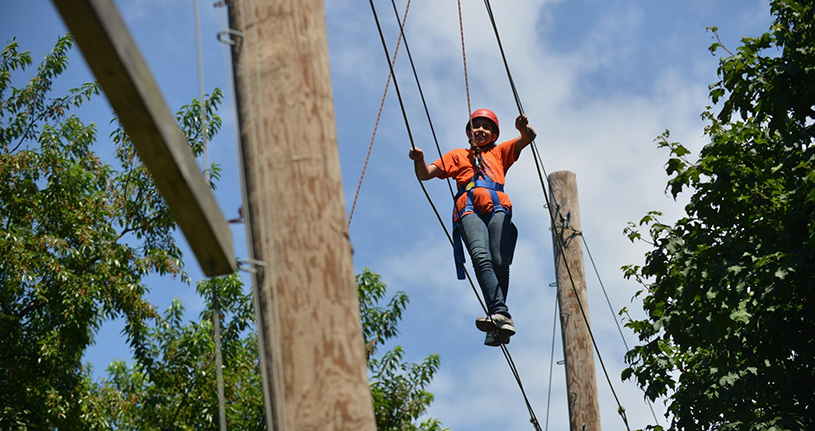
(482, 132)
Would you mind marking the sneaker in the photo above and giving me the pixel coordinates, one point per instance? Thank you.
(496, 322)
(493, 339)
(484, 324)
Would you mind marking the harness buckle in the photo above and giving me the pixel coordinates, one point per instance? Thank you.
(469, 186)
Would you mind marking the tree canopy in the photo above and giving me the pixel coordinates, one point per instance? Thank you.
(77, 237)
(729, 335)
(171, 384)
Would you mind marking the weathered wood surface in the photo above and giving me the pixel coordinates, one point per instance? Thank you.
(128, 84)
(581, 381)
(312, 354)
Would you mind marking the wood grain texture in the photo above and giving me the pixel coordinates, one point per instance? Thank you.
(313, 352)
(128, 84)
(581, 380)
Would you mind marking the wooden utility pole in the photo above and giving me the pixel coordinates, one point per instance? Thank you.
(310, 336)
(581, 383)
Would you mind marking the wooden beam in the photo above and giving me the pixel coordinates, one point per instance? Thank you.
(128, 84)
(311, 347)
(581, 380)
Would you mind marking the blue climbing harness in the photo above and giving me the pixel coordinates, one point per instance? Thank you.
(494, 188)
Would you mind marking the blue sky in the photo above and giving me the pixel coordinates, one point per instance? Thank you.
(599, 80)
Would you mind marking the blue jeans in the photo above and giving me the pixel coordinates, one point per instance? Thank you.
(491, 243)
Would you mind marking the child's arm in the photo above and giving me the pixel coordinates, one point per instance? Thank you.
(423, 171)
(527, 134)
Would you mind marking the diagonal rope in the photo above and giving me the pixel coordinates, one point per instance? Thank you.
(504, 349)
(412, 144)
(559, 239)
(378, 116)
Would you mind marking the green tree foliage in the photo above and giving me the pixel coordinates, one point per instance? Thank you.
(77, 236)
(397, 387)
(172, 384)
(728, 289)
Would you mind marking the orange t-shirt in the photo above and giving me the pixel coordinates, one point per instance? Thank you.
(458, 164)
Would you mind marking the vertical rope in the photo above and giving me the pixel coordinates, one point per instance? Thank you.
(216, 313)
(464, 58)
(478, 163)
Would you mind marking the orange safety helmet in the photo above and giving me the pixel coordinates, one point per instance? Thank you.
(484, 113)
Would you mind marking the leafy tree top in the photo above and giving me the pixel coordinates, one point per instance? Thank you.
(78, 234)
(730, 334)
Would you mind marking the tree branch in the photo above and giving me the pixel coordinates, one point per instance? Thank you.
(720, 41)
(171, 425)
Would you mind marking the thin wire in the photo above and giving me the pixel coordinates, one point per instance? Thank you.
(551, 363)
(216, 314)
(272, 387)
(532, 417)
(614, 315)
(244, 211)
(378, 116)
(558, 238)
(278, 389)
(608, 301)
(504, 349)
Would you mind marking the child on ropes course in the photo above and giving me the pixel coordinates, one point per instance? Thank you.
(483, 213)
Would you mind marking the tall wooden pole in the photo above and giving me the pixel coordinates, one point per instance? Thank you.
(581, 382)
(310, 337)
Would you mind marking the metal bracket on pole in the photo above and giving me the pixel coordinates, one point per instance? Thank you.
(564, 222)
(249, 265)
(229, 32)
